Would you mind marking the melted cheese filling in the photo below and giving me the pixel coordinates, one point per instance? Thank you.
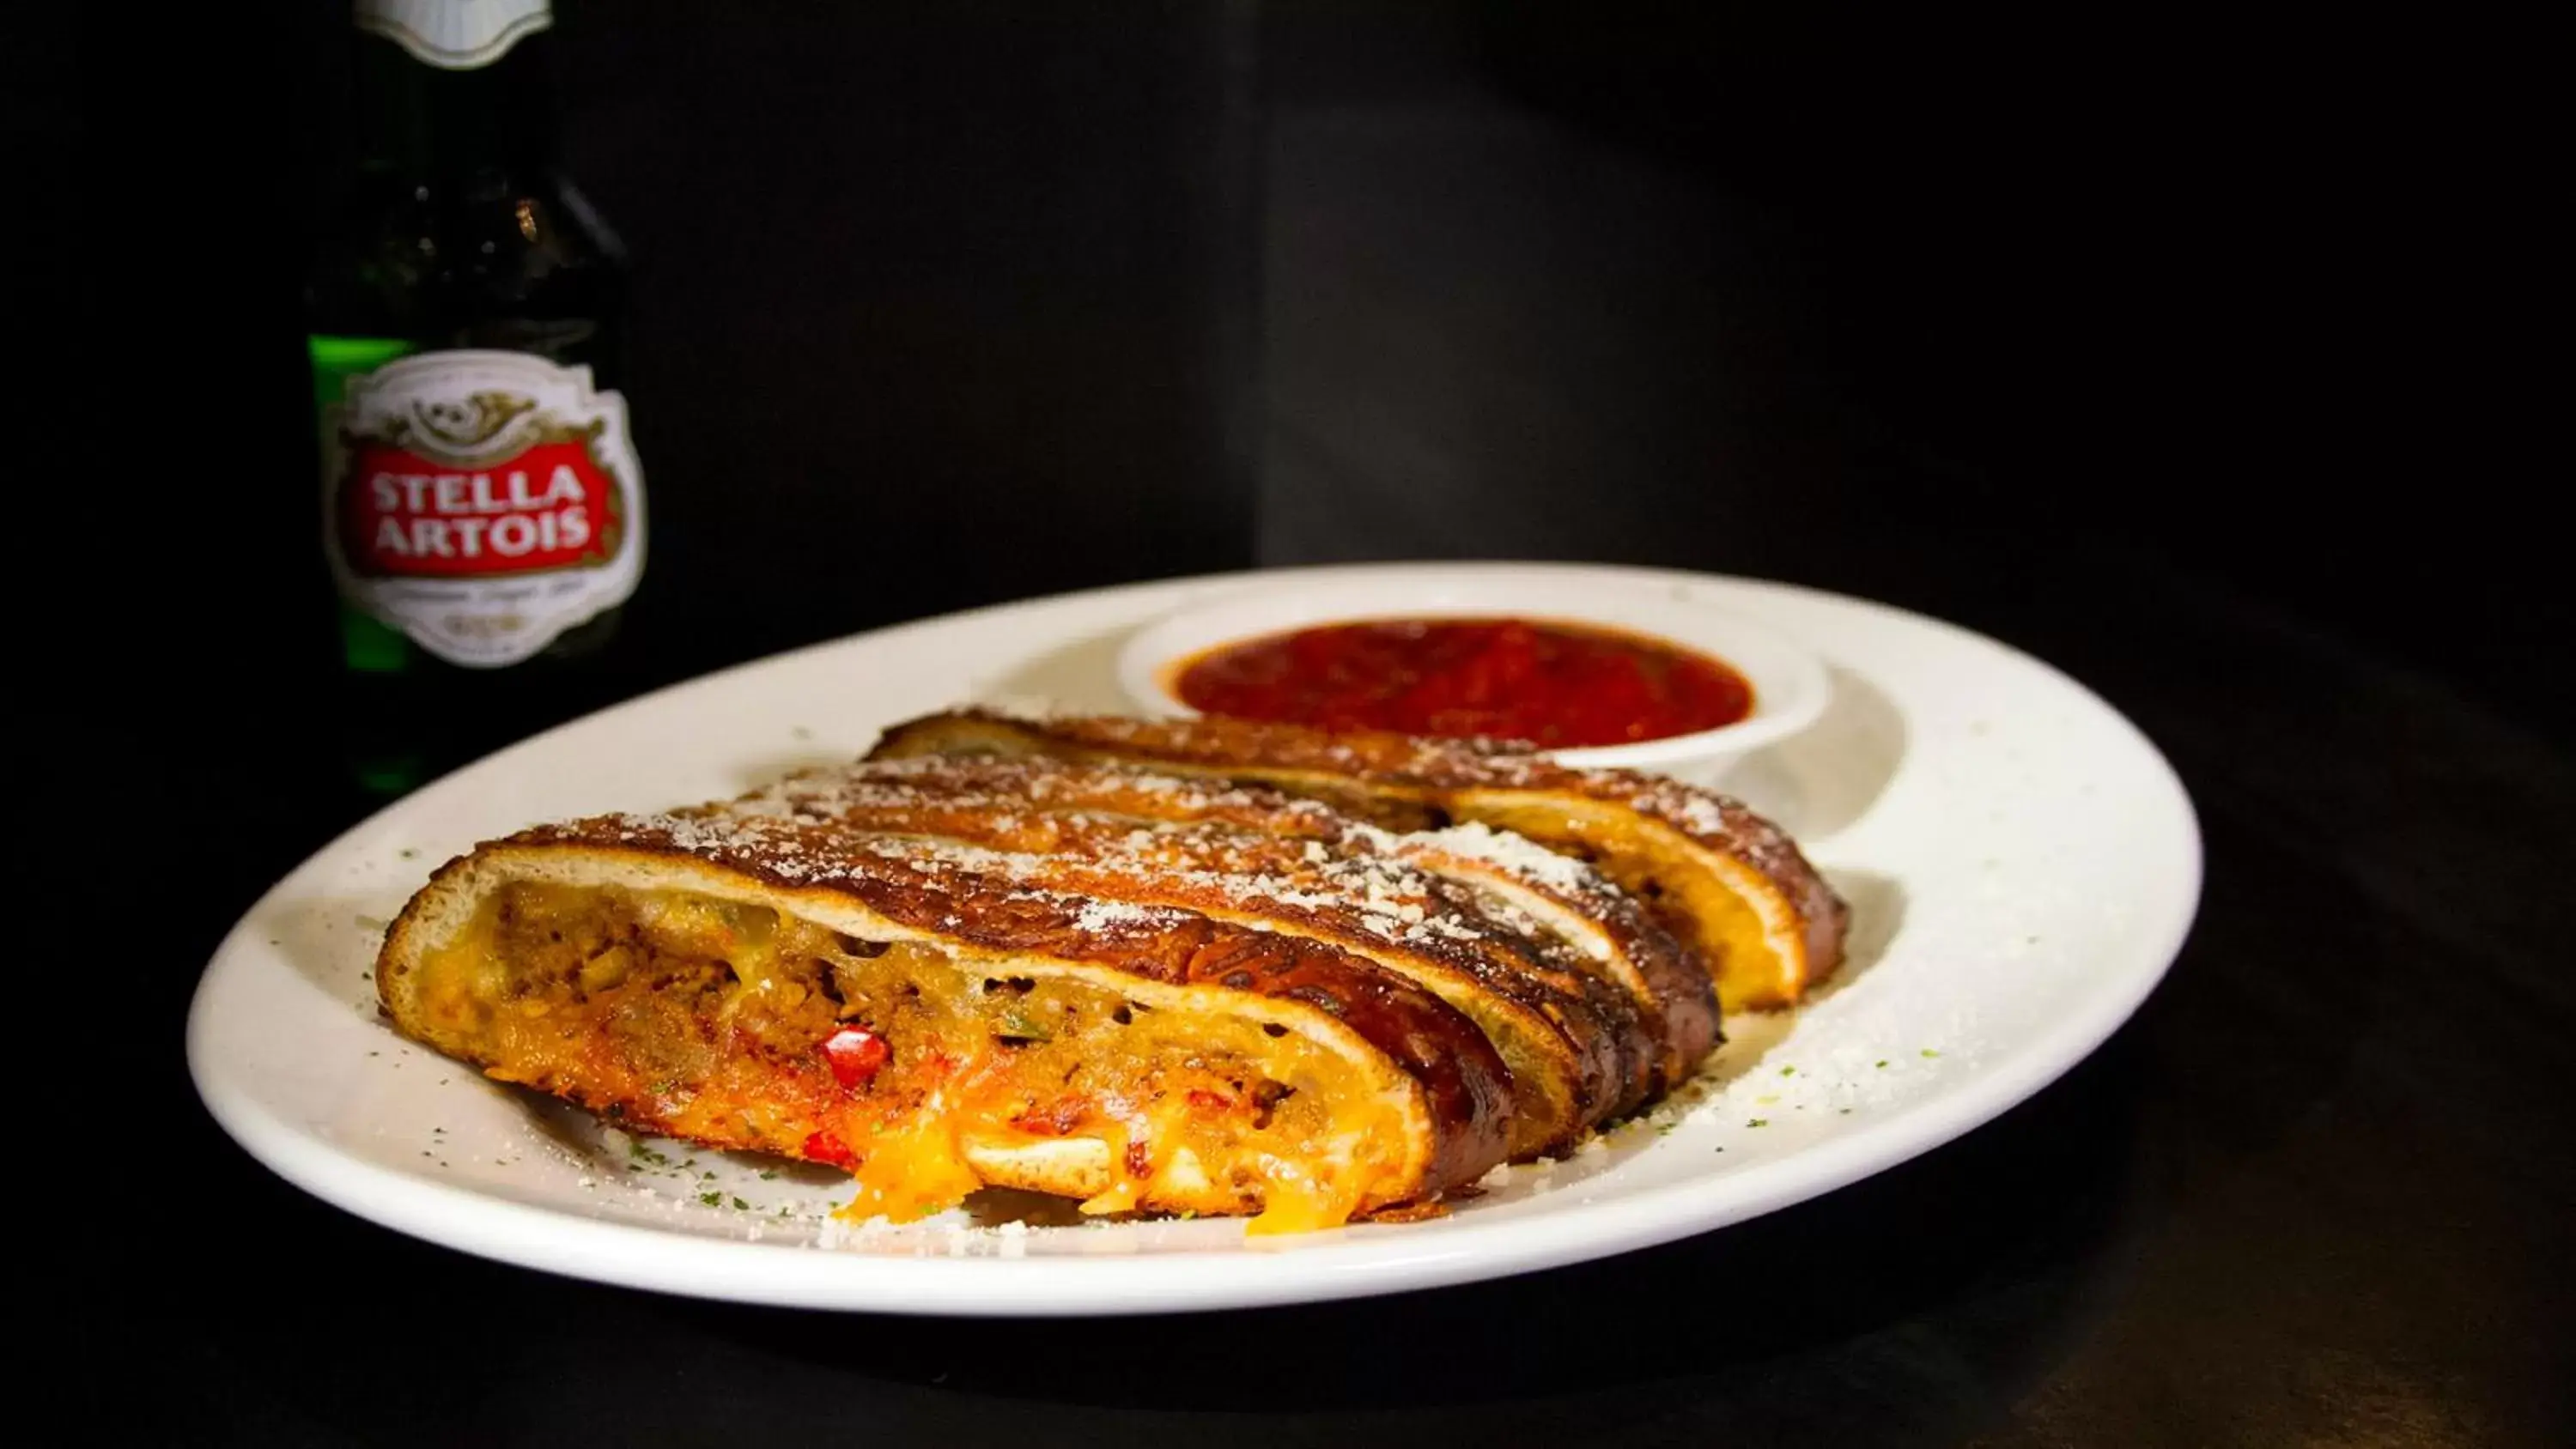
(705, 1019)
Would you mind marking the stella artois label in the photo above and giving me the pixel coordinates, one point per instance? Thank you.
(454, 34)
(481, 502)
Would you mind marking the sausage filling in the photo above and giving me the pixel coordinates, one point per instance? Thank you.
(924, 1075)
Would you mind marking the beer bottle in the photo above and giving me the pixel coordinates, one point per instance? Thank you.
(482, 504)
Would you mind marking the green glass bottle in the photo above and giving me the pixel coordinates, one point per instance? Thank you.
(481, 502)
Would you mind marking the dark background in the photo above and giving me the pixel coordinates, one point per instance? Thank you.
(941, 304)
(2200, 351)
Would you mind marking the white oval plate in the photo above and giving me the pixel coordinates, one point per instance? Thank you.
(2021, 864)
(1789, 684)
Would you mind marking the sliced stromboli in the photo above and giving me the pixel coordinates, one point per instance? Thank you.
(1726, 880)
(1583, 907)
(752, 982)
(1723, 876)
(1534, 889)
(1577, 1051)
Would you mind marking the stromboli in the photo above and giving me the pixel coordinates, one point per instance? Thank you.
(707, 1022)
(1169, 835)
(1095, 979)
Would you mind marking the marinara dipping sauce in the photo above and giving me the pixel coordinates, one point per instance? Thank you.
(1562, 686)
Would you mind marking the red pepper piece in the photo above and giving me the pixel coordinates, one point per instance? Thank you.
(825, 1147)
(856, 1055)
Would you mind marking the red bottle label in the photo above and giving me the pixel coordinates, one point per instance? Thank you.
(481, 502)
(550, 507)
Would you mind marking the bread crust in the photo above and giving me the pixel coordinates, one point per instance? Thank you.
(1580, 1049)
(1541, 911)
(1635, 825)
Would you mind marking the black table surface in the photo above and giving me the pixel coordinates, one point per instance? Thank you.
(2316, 1192)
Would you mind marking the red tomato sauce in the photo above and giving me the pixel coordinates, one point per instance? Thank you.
(1562, 686)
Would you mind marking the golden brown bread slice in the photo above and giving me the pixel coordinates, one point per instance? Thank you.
(1727, 881)
(751, 980)
(1548, 905)
(1579, 1046)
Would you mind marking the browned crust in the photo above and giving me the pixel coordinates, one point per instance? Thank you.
(1375, 906)
(1218, 743)
(1045, 804)
(1677, 985)
(1464, 1085)
(1824, 918)
(1404, 768)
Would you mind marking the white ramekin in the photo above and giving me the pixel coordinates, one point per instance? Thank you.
(1789, 684)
